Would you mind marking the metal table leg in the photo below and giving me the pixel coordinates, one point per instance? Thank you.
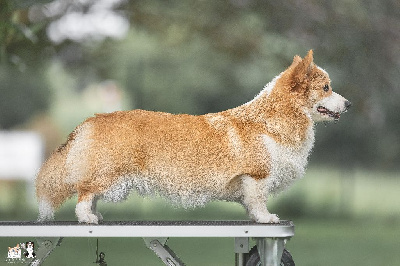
(158, 246)
(270, 250)
(242, 248)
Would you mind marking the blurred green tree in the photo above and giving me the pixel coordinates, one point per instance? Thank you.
(22, 44)
(22, 95)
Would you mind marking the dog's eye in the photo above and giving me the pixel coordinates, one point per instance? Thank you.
(326, 88)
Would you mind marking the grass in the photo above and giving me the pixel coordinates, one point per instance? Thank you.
(341, 218)
(341, 242)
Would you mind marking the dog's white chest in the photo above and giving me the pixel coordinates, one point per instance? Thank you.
(287, 164)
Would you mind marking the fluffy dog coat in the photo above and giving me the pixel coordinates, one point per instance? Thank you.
(242, 154)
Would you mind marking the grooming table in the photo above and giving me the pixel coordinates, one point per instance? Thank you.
(270, 238)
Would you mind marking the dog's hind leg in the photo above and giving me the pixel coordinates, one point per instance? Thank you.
(84, 208)
(255, 200)
(46, 210)
(51, 187)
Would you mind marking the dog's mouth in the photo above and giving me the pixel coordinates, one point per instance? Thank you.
(325, 111)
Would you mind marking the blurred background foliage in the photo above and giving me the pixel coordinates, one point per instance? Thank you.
(58, 58)
(204, 56)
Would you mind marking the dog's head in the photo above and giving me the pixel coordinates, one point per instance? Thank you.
(30, 245)
(312, 84)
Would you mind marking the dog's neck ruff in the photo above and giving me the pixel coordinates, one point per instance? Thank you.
(265, 91)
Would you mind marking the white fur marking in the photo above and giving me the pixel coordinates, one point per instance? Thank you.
(335, 103)
(255, 200)
(163, 182)
(121, 190)
(83, 211)
(46, 211)
(287, 164)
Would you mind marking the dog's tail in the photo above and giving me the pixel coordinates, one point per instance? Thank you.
(51, 188)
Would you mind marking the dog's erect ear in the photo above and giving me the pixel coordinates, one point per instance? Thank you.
(296, 59)
(306, 64)
(309, 57)
(303, 69)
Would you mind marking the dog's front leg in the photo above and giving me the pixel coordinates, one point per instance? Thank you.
(255, 200)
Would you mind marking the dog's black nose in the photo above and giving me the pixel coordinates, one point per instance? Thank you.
(347, 104)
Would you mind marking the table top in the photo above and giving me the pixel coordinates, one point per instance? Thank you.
(229, 228)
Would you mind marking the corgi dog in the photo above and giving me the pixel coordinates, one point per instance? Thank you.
(242, 154)
(14, 252)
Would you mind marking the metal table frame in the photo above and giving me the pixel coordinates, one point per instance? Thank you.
(270, 238)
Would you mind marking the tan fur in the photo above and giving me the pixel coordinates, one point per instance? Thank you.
(231, 155)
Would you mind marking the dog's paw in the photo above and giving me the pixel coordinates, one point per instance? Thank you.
(88, 218)
(84, 213)
(268, 219)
